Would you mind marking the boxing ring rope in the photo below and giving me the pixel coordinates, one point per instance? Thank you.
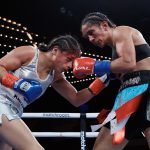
(65, 134)
(82, 134)
(58, 115)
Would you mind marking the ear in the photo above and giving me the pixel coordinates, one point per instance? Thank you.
(54, 50)
(104, 25)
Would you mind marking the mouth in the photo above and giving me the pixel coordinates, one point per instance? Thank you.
(65, 70)
(95, 43)
(100, 43)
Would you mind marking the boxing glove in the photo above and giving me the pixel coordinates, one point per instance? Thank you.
(29, 88)
(85, 66)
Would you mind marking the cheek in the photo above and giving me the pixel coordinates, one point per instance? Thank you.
(101, 37)
(61, 63)
(58, 63)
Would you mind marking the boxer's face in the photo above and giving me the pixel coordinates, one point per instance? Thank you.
(64, 61)
(96, 34)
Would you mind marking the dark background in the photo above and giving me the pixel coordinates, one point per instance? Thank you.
(49, 18)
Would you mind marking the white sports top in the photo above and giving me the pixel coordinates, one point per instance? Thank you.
(29, 72)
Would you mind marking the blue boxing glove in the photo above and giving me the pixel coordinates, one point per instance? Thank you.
(29, 88)
(102, 67)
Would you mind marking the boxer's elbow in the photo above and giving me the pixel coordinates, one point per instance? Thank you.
(80, 100)
(129, 65)
(123, 65)
(75, 103)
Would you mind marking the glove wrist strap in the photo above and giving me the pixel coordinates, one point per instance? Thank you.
(96, 86)
(8, 80)
(102, 67)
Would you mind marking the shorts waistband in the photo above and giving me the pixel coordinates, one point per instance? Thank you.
(145, 74)
(135, 78)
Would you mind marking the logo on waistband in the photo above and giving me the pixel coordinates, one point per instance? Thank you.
(131, 81)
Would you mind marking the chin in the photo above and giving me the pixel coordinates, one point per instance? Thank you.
(101, 46)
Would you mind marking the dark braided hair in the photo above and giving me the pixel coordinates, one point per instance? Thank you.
(96, 18)
(66, 43)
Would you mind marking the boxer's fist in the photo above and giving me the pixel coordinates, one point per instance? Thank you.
(29, 88)
(83, 66)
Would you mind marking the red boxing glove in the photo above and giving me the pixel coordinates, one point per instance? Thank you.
(83, 67)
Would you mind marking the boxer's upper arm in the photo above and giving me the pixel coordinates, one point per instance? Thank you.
(17, 57)
(125, 46)
(126, 61)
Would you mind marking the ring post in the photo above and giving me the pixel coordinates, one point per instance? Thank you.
(83, 110)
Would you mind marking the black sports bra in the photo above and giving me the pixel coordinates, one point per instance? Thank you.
(142, 52)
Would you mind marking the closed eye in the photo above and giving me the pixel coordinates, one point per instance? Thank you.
(69, 59)
(89, 33)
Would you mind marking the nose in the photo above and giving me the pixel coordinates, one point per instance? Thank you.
(70, 65)
(91, 38)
